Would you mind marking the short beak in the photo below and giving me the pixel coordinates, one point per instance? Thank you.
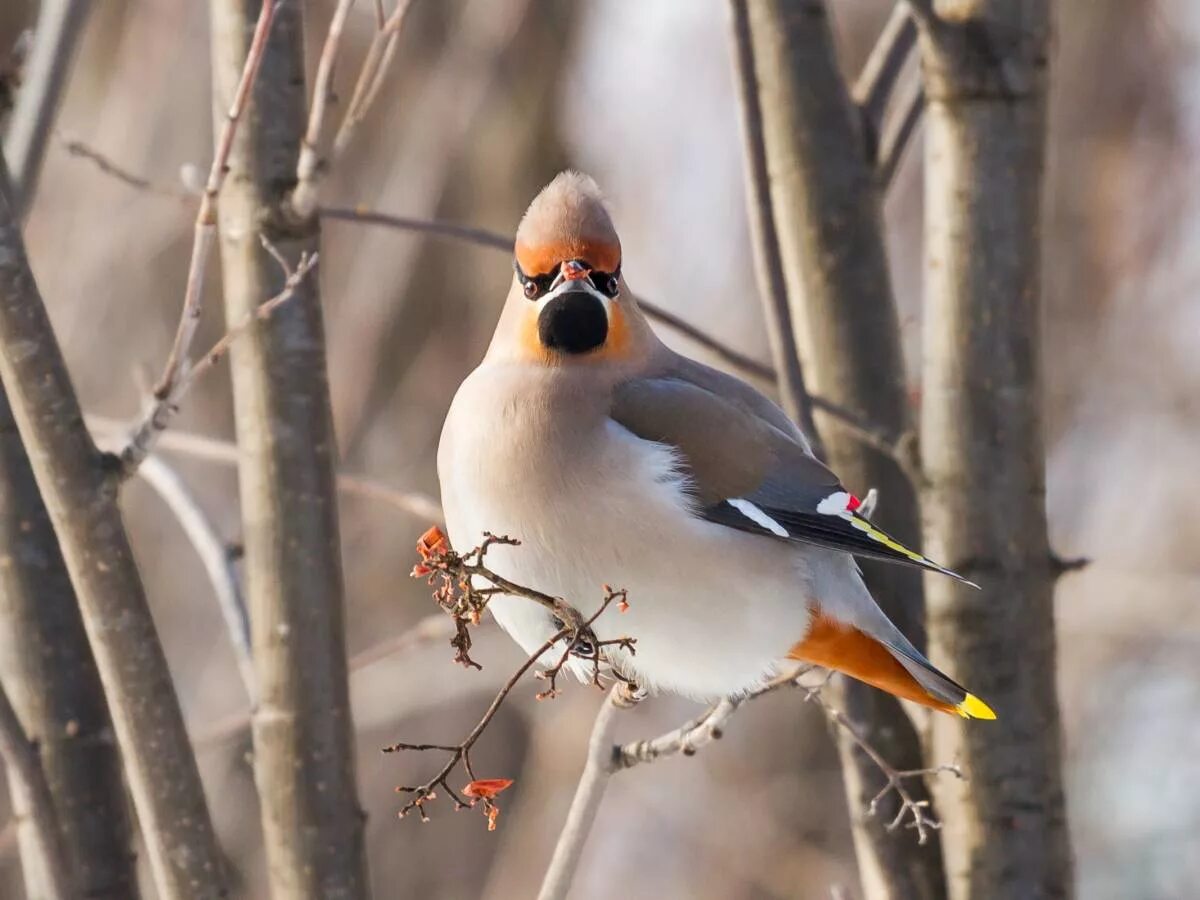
(572, 270)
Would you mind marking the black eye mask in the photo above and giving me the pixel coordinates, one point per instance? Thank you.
(606, 283)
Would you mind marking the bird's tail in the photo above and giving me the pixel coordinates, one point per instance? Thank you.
(896, 667)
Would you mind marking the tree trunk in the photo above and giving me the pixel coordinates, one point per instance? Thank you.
(48, 670)
(984, 501)
(303, 735)
(79, 487)
(826, 211)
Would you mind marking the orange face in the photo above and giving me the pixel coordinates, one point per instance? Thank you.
(600, 256)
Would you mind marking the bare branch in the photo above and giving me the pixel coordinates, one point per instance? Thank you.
(79, 488)
(898, 128)
(114, 169)
(206, 216)
(212, 449)
(460, 753)
(462, 597)
(606, 758)
(589, 792)
(31, 798)
(59, 26)
(374, 70)
(916, 810)
(880, 74)
(164, 406)
(772, 284)
(214, 555)
(304, 757)
(312, 165)
(740, 363)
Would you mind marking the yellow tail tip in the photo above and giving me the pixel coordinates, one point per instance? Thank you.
(974, 708)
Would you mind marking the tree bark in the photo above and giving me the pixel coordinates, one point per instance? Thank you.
(42, 844)
(826, 210)
(50, 674)
(303, 737)
(79, 487)
(984, 499)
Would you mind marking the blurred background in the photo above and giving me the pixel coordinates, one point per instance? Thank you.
(489, 98)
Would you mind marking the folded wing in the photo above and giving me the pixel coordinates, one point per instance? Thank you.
(750, 474)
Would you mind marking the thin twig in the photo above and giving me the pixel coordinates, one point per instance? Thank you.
(312, 164)
(164, 406)
(31, 798)
(918, 811)
(214, 556)
(59, 26)
(114, 169)
(460, 595)
(373, 74)
(206, 216)
(460, 752)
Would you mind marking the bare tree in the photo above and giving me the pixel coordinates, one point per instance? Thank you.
(50, 674)
(79, 486)
(824, 200)
(981, 434)
(303, 737)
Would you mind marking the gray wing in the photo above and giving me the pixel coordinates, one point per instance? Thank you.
(750, 473)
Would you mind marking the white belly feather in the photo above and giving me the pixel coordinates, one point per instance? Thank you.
(713, 610)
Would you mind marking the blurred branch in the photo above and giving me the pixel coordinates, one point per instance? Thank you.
(59, 26)
(605, 758)
(432, 628)
(30, 797)
(899, 127)
(317, 152)
(772, 286)
(79, 487)
(204, 236)
(312, 164)
(214, 556)
(200, 446)
(374, 70)
(165, 406)
(304, 761)
(880, 76)
(106, 165)
(825, 200)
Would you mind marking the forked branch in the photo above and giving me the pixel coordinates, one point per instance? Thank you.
(458, 593)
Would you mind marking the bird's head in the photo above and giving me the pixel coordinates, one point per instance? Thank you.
(568, 301)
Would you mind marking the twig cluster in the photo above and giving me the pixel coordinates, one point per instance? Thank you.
(457, 582)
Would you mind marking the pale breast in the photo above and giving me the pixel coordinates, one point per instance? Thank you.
(592, 505)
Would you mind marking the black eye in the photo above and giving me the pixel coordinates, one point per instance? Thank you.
(531, 289)
(605, 283)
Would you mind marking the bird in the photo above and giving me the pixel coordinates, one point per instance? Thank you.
(612, 458)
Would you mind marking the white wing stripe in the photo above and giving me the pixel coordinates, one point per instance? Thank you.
(757, 516)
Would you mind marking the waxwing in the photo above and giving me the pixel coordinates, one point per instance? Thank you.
(615, 460)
